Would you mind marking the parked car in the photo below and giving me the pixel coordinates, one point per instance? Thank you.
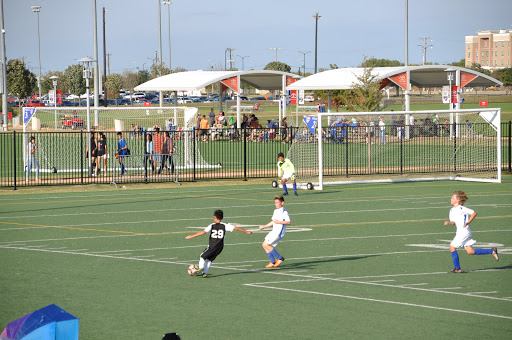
(257, 98)
(309, 98)
(34, 103)
(72, 121)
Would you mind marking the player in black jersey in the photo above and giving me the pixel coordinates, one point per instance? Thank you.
(217, 232)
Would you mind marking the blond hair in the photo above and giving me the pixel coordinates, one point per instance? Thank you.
(461, 197)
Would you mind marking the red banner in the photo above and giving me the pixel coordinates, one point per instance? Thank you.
(147, 103)
(454, 94)
(384, 83)
(466, 78)
(400, 80)
(232, 83)
(290, 80)
(59, 97)
(484, 103)
(293, 97)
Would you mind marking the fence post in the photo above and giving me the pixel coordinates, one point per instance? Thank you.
(146, 159)
(509, 145)
(401, 153)
(81, 159)
(346, 149)
(14, 155)
(194, 155)
(245, 153)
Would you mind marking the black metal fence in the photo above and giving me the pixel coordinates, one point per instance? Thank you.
(62, 157)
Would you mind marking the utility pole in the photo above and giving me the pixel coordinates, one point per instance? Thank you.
(243, 58)
(230, 61)
(275, 48)
(105, 96)
(424, 48)
(108, 62)
(316, 16)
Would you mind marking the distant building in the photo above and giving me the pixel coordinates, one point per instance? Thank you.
(491, 49)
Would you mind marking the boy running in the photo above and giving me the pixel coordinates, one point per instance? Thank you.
(280, 219)
(286, 168)
(217, 232)
(461, 217)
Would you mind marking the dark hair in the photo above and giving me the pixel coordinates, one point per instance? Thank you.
(157, 129)
(150, 138)
(32, 137)
(280, 155)
(219, 214)
(279, 197)
(119, 133)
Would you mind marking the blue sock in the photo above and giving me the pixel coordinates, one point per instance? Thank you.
(295, 187)
(276, 254)
(271, 257)
(455, 259)
(483, 251)
(122, 168)
(285, 189)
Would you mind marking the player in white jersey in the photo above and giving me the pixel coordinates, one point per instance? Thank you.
(217, 232)
(461, 217)
(280, 219)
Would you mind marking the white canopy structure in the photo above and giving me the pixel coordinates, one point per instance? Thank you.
(196, 80)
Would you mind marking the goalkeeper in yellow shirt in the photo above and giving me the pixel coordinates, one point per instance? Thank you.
(286, 171)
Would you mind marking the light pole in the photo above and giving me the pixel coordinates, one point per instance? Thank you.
(86, 62)
(37, 9)
(54, 78)
(169, 3)
(304, 65)
(3, 79)
(316, 16)
(243, 58)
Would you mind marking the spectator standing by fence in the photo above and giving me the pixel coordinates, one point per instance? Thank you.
(158, 140)
(32, 147)
(94, 150)
(102, 153)
(122, 150)
(149, 153)
(211, 118)
(167, 149)
(382, 131)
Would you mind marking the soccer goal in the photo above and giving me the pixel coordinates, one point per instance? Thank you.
(392, 146)
(54, 145)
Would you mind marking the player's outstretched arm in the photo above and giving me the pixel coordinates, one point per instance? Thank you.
(201, 233)
(261, 227)
(449, 223)
(243, 230)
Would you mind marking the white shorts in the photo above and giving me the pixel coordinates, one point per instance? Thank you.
(272, 239)
(288, 176)
(105, 156)
(462, 241)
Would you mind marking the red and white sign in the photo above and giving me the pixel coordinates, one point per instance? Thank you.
(400, 80)
(484, 103)
(290, 80)
(466, 78)
(232, 83)
(293, 97)
(147, 103)
(454, 94)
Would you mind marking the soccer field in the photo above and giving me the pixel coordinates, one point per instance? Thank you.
(362, 261)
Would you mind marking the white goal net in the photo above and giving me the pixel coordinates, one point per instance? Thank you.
(362, 147)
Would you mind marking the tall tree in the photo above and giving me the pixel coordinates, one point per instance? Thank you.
(158, 70)
(114, 84)
(461, 63)
(372, 62)
(278, 66)
(364, 95)
(75, 78)
(47, 83)
(20, 81)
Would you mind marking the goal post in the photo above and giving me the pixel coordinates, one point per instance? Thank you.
(398, 146)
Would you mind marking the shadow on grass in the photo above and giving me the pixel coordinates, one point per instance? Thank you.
(295, 265)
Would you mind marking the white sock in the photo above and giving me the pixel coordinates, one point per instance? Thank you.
(207, 266)
(201, 263)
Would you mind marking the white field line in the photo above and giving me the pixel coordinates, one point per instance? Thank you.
(448, 288)
(408, 199)
(382, 301)
(412, 284)
(494, 292)
(279, 272)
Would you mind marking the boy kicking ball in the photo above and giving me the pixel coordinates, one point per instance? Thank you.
(285, 167)
(461, 217)
(280, 219)
(217, 232)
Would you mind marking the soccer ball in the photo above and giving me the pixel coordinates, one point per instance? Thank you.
(192, 270)
(274, 184)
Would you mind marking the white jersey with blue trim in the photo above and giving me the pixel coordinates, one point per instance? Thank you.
(281, 215)
(460, 215)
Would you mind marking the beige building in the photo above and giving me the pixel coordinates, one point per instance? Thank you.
(492, 49)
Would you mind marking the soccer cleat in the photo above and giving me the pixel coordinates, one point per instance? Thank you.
(269, 265)
(296, 194)
(284, 194)
(456, 271)
(278, 262)
(204, 276)
(495, 253)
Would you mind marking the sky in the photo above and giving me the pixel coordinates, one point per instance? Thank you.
(202, 30)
